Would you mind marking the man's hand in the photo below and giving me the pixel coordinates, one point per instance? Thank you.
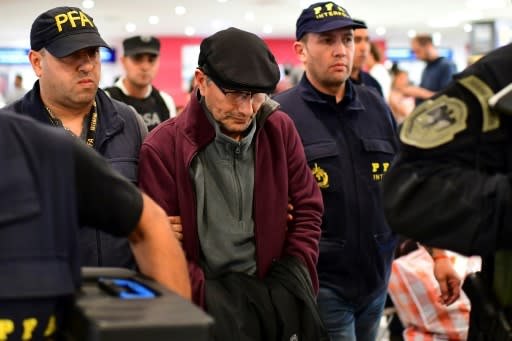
(176, 227)
(448, 279)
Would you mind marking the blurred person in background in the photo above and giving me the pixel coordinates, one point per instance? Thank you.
(436, 75)
(400, 104)
(377, 70)
(141, 61)
(362, 50)
(17, 91)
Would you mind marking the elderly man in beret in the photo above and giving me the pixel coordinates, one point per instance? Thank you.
(228, 166)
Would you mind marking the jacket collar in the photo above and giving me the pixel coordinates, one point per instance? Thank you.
(109, 120)
(311, 94)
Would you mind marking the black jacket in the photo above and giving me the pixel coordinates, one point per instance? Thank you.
(451, 185)
(279, 308)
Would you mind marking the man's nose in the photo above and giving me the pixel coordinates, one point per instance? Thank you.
(86, 62)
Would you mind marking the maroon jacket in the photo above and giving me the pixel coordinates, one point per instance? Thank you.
(281, 173)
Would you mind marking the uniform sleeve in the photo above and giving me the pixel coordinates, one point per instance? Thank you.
(457, 194)
(305, 230)
(105, 198)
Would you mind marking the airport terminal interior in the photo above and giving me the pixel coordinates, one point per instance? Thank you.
(461, 31)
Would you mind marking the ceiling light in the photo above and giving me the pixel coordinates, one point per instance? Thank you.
(411, 33)
(443, 23)
(468, 28)
(130, 27)
(436, 38)
(487, 4)
(306, 3)
(267, 29)
(249, 16)
(222, 1)
(380, 31)
(217, 24)
(189, 31)
(87, 4)
(180, 10)
(153, 20)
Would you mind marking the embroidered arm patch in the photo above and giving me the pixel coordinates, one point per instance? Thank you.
(434, 122)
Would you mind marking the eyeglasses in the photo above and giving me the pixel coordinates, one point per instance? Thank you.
(241, 97)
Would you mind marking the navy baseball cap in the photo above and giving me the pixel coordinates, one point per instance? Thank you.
(322, 17)
(64, 30)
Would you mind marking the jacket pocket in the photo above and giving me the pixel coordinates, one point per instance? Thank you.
(324, 161)
(321, 150)
(127, 166)
(378, 146)
(378, 155)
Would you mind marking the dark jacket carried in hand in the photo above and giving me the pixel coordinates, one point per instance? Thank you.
(283, 307)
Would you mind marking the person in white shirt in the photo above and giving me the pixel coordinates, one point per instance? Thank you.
(378, 70)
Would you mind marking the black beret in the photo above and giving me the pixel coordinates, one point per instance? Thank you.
(239, 60)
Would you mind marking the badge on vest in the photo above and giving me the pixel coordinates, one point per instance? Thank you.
(321, 176)
(434, 122)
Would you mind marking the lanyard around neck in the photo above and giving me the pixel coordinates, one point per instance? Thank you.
(91, 130)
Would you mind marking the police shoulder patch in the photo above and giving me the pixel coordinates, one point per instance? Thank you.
(434, 122)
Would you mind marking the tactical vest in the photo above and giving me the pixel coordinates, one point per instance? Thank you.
(152, 108)
(38, 224)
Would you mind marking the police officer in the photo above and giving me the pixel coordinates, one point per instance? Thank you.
(451, 185)
(141, 61)
(50, 184)
(349, 138)
(65, 57)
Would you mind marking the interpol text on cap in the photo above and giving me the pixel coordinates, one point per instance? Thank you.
(322, 17)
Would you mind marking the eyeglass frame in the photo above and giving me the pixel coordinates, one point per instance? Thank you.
(237, 99)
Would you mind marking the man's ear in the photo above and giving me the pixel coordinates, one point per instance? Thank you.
(123, 60)
(35, 59)
(200, 81)
(299, 49)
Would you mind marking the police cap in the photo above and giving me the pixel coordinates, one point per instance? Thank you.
(64, 30)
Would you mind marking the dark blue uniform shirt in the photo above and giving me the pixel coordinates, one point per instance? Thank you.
(349, 146)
